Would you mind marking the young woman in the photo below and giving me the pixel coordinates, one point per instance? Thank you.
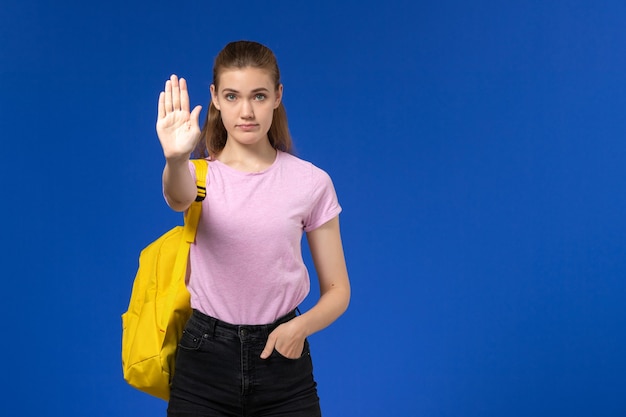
(244, 351)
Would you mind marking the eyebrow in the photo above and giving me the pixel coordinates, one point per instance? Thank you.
(256, 90)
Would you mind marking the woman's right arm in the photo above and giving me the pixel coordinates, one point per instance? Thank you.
(179, 186)
(179, 133)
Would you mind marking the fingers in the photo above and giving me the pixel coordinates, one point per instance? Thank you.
(285, 342)
(168, 97)
(175, 92)
(195, 115)
(184, 95)
(161, 106)
(175, 97)
(269, 346)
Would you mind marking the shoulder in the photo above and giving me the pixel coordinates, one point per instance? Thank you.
(302, 167)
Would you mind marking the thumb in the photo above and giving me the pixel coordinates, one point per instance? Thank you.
(269, 347)
(195, 115)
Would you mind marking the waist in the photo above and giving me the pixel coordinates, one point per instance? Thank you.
(211, 324)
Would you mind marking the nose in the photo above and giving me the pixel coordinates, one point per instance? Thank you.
(247, 111)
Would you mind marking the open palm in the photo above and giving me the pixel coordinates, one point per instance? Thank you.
(177, 128)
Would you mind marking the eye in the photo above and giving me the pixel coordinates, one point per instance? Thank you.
(230, 96)
(260, 97)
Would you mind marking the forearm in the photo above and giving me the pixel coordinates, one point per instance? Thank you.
(178, 185)
(330, 265)
(330, 306)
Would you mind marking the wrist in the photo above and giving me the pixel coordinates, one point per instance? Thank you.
(177, 160)
(303, 326)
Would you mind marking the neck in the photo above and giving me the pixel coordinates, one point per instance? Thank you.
(247, 158)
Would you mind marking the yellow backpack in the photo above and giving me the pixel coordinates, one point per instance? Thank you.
(159, 303)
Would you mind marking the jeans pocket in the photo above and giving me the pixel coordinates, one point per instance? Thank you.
(189, 341)
(305, 353)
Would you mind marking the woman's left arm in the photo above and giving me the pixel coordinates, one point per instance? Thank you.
(330, 265)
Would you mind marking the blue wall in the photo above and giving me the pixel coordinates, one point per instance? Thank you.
(477, 149)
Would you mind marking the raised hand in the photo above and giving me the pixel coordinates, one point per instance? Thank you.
(177, 128)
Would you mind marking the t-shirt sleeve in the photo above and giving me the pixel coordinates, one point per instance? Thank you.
(325, 205)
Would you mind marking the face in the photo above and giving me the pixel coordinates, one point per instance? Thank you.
(246, 99)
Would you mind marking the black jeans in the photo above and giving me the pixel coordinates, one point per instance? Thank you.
(219, 372)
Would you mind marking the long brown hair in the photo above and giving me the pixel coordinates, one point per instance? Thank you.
(239, 55)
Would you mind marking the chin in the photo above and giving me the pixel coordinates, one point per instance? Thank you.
(249, 138)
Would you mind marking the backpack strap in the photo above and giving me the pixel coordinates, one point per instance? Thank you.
(192, 218)
(202, 167)
(193, 213)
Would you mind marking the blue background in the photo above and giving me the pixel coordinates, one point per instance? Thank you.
(477, 149)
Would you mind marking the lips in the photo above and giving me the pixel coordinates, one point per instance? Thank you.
(248, 126)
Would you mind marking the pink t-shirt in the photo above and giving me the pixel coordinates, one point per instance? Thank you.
(246, 263)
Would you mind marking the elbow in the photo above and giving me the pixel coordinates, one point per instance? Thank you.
(177, 205)
(342, 296)
(347, 297)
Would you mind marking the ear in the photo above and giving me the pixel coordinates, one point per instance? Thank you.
(279, 96)
(214, 98)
